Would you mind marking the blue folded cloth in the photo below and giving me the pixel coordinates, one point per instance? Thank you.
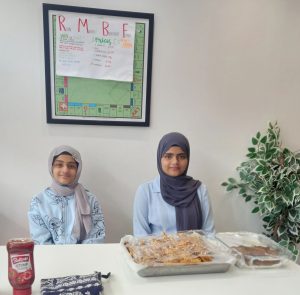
(74, 285)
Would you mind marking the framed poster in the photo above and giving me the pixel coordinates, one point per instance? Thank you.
(98, 65)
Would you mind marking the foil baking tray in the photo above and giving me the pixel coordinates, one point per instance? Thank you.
(182, 253)
(254, 250)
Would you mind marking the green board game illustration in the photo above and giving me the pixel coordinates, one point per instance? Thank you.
(77, 100)
(103, 98)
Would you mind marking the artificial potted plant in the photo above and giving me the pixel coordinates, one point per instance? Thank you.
(270, 177)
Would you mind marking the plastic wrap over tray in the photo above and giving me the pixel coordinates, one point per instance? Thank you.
(188, 252)
(254, 250)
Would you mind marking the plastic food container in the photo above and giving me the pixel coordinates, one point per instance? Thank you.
(181, 253)
(254, 250)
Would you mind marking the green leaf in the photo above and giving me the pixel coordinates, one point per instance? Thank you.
(251, 155)
(277, 209)
(286, 199)
(270, 144)
(224, 183)
(268, 156)
(264, 139)
(267, 218)
(243, 175)
(242, 191)
(285, 237)
(292, 215)
(248, 198)
(269, 205)
(281, 230)
(259, 168)
(272, 134)
(295, 255)
(262, 199)
(258, 135)
(231, 180)
(230, 187)
(262, 162)
(283, 243)
(255, 210)
(251, 150)
(292, 247)
(293, 230)
(254, 141)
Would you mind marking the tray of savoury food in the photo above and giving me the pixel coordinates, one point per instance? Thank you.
(188, 252)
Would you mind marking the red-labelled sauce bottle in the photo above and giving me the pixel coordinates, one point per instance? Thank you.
(20, 265)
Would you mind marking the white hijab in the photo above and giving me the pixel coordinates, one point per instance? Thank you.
(83, 222)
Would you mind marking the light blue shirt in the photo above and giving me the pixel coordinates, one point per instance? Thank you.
(152, 215)
(51, 219)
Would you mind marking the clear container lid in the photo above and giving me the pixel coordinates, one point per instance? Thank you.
(254, 250)
(179, 248)
(178, 253)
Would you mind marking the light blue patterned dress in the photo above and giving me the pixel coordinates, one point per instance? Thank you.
(51, 219)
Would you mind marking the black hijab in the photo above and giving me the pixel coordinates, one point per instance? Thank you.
(180, 191)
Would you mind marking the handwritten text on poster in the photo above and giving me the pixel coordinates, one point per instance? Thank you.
(94, 47)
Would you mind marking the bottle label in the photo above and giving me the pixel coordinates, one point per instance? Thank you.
(20, 262)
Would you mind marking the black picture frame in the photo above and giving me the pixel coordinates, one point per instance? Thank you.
(128, 112)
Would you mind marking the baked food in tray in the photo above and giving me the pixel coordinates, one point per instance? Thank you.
(254, 250)
(179, 253)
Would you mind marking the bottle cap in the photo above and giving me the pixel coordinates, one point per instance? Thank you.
(22, 291)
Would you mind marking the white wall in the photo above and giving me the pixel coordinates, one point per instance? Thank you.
(221, 71)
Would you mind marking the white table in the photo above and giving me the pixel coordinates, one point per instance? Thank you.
(55, 261)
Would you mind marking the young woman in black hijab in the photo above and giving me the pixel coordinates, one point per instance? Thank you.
(173, 201)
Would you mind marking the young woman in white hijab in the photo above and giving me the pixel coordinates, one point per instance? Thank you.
(65, 212)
